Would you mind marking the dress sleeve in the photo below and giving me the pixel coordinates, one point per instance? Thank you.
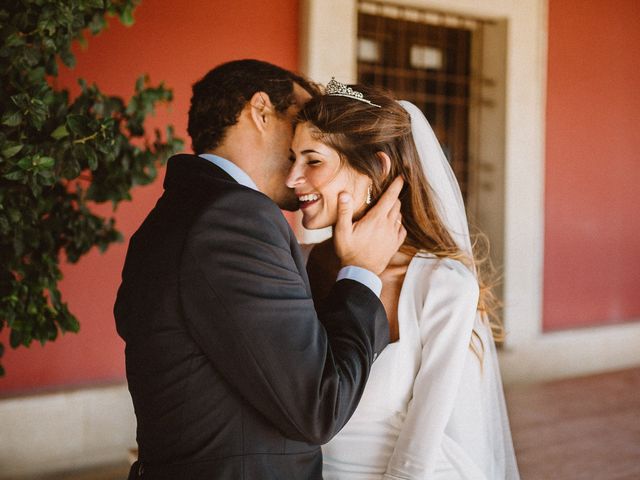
(446, 325)
(251, 313)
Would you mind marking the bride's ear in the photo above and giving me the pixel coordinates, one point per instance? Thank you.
(385, 162)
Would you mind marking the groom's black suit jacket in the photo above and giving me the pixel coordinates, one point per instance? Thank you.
(232, 372)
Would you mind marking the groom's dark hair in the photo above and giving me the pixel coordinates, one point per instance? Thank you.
(219, 97)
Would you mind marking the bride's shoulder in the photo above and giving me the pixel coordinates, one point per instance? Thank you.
(443, 287)
(430, 271)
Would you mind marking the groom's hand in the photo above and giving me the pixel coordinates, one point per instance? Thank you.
(371, 241)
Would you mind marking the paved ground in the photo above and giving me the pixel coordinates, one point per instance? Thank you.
(582, 428)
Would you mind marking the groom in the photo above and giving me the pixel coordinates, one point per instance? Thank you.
(232, 371)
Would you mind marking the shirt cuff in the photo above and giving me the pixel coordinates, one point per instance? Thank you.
(362, 275)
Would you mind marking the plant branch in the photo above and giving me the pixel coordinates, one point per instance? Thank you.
(83, 140)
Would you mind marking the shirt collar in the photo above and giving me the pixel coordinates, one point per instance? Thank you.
(232, 169)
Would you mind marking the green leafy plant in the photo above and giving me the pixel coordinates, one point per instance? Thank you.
(59, 156)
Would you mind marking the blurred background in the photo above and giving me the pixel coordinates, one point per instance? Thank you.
(537, 105)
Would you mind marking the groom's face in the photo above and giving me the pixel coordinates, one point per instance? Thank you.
(279, 162)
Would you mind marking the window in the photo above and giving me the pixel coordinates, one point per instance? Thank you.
(425, 57)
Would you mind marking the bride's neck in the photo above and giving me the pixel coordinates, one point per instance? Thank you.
(399, 259)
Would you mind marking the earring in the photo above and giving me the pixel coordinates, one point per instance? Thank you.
(368, 200)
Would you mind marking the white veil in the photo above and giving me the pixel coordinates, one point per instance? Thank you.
(450, 207)
(440, 177)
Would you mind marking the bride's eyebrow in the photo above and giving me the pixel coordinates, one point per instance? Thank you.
(307, 151)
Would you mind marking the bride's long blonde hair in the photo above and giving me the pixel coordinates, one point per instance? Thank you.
(358, 131)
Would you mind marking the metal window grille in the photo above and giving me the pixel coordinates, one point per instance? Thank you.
(425, 56)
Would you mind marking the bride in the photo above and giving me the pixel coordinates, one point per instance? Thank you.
(433, 407)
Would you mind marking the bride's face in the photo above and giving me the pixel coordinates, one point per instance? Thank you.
(318, 176)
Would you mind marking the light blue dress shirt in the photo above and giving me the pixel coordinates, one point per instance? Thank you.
(359, 274)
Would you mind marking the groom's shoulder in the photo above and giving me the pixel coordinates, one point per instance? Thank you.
(245, 201)
(241, 208)
(195, 177)
(241, 216)
(191, 173)
(217, 199)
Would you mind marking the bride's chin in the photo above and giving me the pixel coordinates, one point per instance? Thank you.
(314, 224)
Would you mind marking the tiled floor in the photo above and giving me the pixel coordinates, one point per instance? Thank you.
(579, 429)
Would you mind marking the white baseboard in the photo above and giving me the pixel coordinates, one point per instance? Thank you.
(65, 431)
(571, 353)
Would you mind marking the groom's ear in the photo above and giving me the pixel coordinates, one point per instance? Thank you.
(261, 107)
(385, 163)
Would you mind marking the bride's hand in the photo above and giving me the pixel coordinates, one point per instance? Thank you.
(371, 241)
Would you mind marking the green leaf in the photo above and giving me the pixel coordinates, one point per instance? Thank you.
(12, 119)
(15, 175)
(5, 228)
(35, 186)
(48, 25)
(10, 151)
(98, 4)
(51, 333)
(68, 58)
(92, 158)
(21, 101)
(14, 40)
(36, 75)
(69, 324)
(140, 83)
(78, 124)
(31, 56)
(25, 163)
(14, 215)
(15, 338)
(44, 162)
(97, 24)
(71, 168)
(126, 17)
(60, 132)
(47, 177)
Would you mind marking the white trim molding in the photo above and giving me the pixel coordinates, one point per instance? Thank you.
(65, 431)
(571, 353)
(329, 36)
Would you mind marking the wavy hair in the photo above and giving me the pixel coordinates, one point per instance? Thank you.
(358, 131)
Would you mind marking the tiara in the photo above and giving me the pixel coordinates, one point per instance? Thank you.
(337, 89)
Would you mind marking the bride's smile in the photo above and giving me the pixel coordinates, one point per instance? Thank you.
(307, 200)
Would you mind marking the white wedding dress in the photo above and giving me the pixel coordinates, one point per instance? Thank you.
(430, 409)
